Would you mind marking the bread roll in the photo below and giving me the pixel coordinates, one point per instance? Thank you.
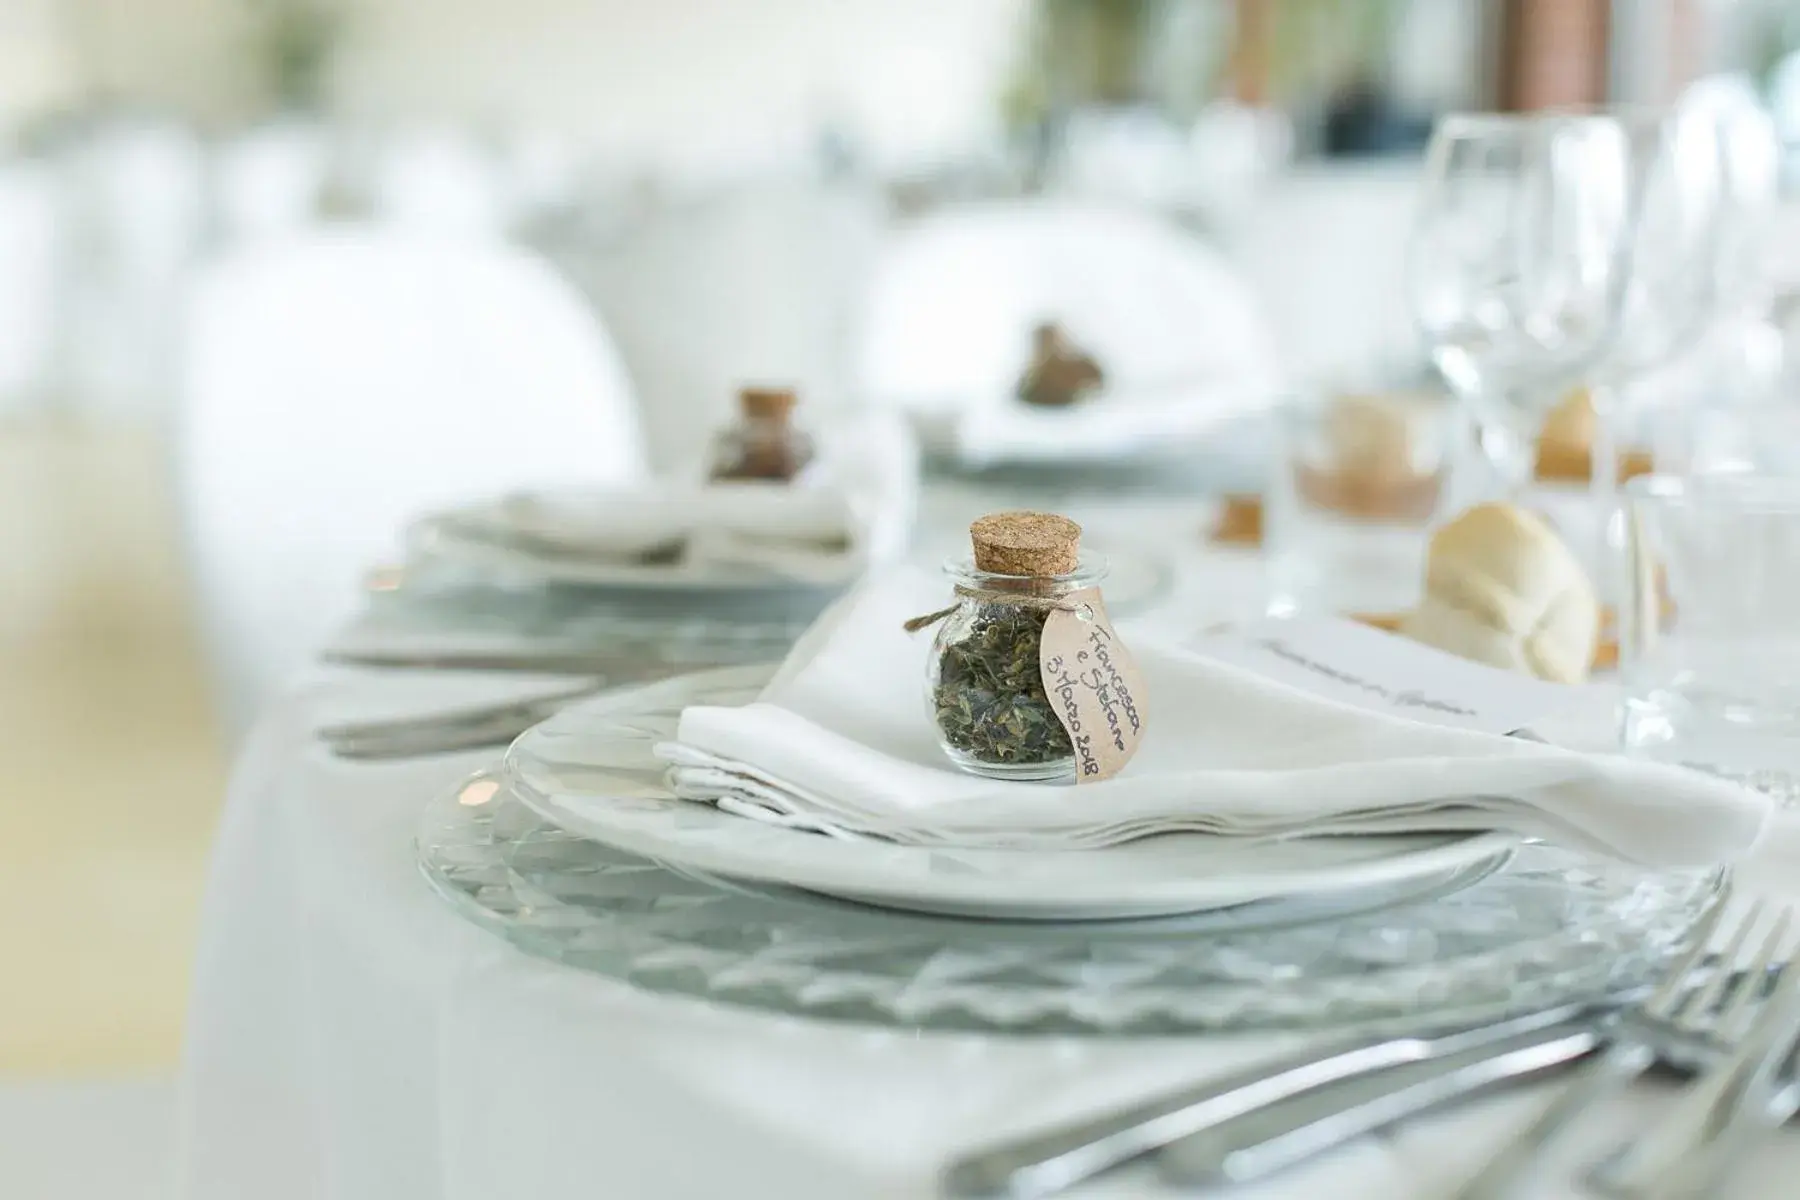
(1502, 588)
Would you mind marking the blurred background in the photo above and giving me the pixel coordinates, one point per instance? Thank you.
(717, 179)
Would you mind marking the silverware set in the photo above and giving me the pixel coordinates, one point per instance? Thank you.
(1723, 1011)
(1742, 1024)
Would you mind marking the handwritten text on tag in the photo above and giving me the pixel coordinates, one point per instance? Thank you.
(1094, 685)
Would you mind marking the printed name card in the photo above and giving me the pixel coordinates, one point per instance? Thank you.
(1352, 663)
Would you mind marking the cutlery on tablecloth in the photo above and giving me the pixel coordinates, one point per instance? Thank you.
(1671, 1156)
(534, 660)
(1046, 1163)
(1706, 1174)
(1673, 1012)
(457, 729)
(1285, 1134)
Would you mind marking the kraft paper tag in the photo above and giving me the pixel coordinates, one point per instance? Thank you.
(1094, 686)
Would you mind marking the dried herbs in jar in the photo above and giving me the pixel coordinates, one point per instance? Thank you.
(986, 688)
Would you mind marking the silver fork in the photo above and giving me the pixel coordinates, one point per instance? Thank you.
(1671, 1012)
(1656, 1158)
(1772, 1097)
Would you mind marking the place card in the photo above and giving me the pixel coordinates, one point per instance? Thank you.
(1352, 663)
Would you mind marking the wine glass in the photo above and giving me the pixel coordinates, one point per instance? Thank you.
(1676, 280)
(1750, 183)
(1739, 357)
(1519, 265)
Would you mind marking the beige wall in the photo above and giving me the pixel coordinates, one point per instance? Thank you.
(912, 75)
(37, 69)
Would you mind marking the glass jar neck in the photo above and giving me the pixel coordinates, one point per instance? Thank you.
(970, 578)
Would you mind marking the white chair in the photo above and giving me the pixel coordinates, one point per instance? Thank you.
(749, 284)
(268, 181)
(335, 386)
(953, 300)
(30, 235)
(441, 182)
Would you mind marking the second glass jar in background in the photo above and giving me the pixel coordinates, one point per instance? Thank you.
(764, 444)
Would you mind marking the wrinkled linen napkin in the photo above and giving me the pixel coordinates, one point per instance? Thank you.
(1115, 422)
(852, 506)
(841, 737)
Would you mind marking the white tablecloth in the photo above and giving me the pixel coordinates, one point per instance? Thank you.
(351, 1038)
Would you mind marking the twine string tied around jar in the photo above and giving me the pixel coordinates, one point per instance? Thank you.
(988, 595)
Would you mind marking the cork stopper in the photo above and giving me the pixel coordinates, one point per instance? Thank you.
(766, 404)
(1026, 543)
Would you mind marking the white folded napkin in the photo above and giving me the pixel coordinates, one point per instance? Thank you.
(853, 506)
(1176, 329)
(1115, 422)
(841, 736)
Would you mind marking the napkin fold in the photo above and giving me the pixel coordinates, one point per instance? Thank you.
(853, 506)
(1115, 422)
(841, 737)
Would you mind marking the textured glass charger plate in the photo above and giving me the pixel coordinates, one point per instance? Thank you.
(1512, 933)
(590, 770)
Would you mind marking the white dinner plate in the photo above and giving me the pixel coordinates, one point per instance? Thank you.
(591, 771)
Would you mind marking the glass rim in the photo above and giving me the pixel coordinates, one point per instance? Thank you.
(1746, 490)
(1090, 569)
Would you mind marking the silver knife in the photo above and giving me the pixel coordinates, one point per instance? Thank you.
(1273, 1139)
(423, 743)
(1046, 1163)
(538, 660)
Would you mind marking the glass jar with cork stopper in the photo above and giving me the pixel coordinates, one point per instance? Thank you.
(764, 443)
(986, 687)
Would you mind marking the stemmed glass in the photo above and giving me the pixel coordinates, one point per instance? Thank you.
(1676, 282)
(1567, 248)
(1519, 264)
